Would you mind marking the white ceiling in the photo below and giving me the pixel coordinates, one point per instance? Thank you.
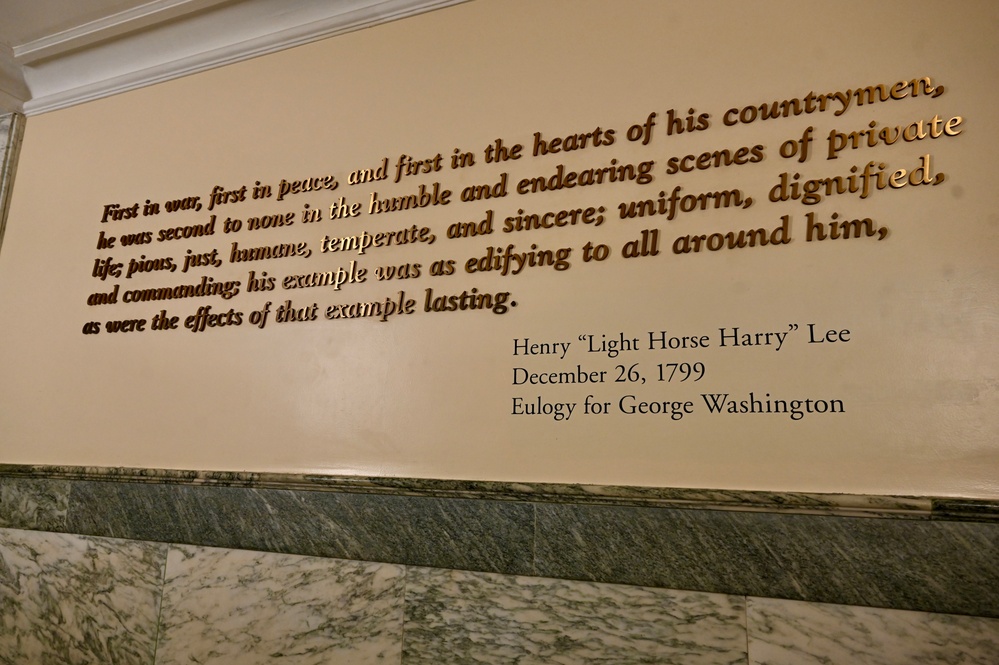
(56, 53)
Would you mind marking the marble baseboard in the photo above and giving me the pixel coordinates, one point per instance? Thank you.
(424, 531)
(902, 554)
(935, 566)
(798, 633)
(853, 505)
(462, 617)
(78, 600)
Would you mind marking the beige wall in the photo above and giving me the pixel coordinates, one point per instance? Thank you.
(430, 395)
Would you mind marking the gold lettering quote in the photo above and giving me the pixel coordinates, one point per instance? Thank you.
(197, 256)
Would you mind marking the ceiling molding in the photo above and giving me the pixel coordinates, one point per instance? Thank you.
(106, 28)
(167, 39)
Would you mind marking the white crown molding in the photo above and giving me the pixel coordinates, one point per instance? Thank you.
(108, 27)
(167, 39)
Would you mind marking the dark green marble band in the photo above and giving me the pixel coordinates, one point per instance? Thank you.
(931, 554)
(855, 505)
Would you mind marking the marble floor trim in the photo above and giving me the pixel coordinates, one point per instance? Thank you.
(932, 565)
(853, 505)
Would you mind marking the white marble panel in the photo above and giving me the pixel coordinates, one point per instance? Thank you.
(464, 617)
(77, 600)
(784, 632)
(245, 608)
